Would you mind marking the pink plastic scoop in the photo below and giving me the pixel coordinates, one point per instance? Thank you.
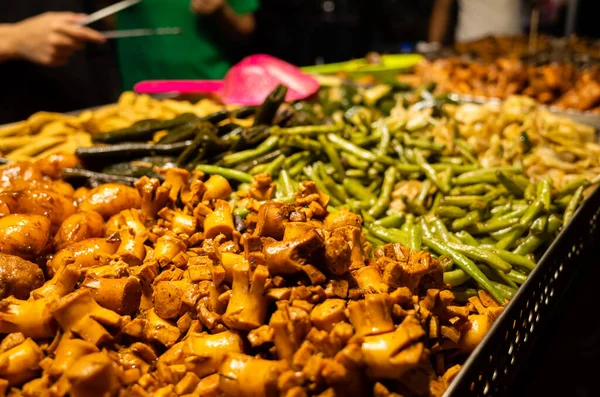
(246, 83)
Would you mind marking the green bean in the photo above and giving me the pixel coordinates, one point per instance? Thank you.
(530, 192)
(294, 158)
(430, 172)
(463, 294)
(492, 225)
(299, 166)
(307, 130)
(450, 211)
(241, 212)
(258, 169)
(513, 258)
(545, 194)
(563, 201)
(389, 235)
(487, 175)
(517, 277)
(246, 166)
(466, 153)
(374, 185)
(456, 277)
(572, 187)
(446, 262)
(413, 206)
(518, 213)
(483, 255)
(458, 169)
(415, 238)
(239, 157)
(384, 143)
(367, 140)
(302, 143)
(468, 220)
(509, 184)
(355, 162)
(523, 224)
(334, 158)
(501, 209)
(312, 173)
(438, 227)
(511, 237)
(531, 243)
(289, 188)
(540, 225)
(352, 173)
(407, 168)
(572, 206)
(424, 144)
(436, 200)
(267, 110)
(478, 205)
(424, 192)
(357, 190)
(460, 201)
(461, 261)
(529, 215)
(225, 172)
(343, 144)
(374, 240)
(394, 220)
(274, 167)
(409, 222)
(476, 190)
(554, 223)
(382, 203)
(495, 273)
(451, 160)
(493, 194)
(466, 238)
(336, 190)
(509, 292)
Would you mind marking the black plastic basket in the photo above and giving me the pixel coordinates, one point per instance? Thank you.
(491, 368)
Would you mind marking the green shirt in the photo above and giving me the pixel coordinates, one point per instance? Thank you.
(200, 52)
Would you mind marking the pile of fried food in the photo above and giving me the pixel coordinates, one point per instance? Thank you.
(517, 130)
(491, 47)
(160, 290)
(555, 84)
(45, 133)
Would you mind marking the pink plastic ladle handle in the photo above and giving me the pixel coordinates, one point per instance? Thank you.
(180, 86)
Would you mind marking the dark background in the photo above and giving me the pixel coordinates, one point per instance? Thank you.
(566, 357)
(303, 32)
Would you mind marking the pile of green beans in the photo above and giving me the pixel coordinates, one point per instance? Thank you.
(488, 226)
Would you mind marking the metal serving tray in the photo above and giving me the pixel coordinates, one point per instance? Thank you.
(491, 368)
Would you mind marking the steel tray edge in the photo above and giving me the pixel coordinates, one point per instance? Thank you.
(490, 369)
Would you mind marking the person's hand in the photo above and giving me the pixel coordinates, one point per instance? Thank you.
(51, 38)
(206, 7)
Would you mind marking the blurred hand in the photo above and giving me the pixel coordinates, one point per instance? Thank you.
(206, 7)
(51, 38)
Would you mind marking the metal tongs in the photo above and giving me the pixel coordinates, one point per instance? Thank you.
(118, 34)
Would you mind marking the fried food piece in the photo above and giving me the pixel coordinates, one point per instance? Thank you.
(78, 227)
(47, 203)
(246, 376)
(21, 363)
(18, 277)
(24, 235)
(53, 164)
(87, 253)
(110, 199)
